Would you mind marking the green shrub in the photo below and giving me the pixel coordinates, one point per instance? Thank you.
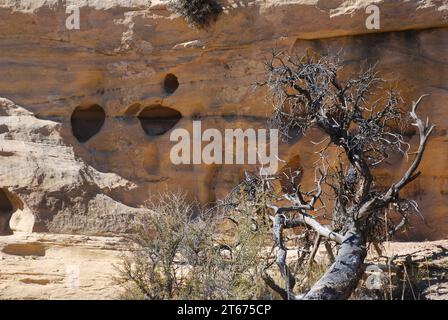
(198, 13)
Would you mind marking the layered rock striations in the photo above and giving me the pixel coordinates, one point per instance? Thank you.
(86, 115)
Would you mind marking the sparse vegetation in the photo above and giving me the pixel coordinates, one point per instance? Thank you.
(179, 253)
(199, 14)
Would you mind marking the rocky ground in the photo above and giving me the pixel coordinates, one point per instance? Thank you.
(423, 268)
(50, 266)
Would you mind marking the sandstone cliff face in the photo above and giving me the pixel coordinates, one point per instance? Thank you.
(78, 148)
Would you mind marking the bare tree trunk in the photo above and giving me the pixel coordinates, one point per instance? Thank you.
(343, 276)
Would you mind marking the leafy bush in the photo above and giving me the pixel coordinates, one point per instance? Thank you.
(198, 13)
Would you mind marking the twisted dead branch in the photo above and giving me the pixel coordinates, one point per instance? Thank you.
(366, 124)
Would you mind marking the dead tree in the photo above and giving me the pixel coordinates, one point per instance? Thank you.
(366, 125)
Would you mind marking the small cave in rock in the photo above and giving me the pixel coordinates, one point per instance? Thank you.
(6, 211)
(157, 119)
(87, 121)
(4, 128)
(171, 83)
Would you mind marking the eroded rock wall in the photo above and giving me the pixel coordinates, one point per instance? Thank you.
(93, 177)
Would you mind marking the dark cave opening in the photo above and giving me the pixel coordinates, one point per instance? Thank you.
(171, 83)
(6, 211)
(157, 119)
(87, 122)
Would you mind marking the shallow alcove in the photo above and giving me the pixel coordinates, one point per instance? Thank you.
(25, 249)
(157, 119)
(6, 211)
(4, 128)
(87, 121)
(171, 83)
(151, 160)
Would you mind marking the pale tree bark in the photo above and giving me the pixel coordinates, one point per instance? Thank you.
(343, 276)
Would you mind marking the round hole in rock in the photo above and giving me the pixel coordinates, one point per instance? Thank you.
(171, 83)
(87, 122)
(157, 119)
(6, 211)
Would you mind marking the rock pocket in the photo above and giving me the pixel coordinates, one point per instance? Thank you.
(6, 211)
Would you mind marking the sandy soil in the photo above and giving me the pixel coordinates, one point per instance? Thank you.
(50, 266)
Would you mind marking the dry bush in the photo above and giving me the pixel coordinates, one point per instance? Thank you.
(198, 13)
(178, 252)
(251, 199)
